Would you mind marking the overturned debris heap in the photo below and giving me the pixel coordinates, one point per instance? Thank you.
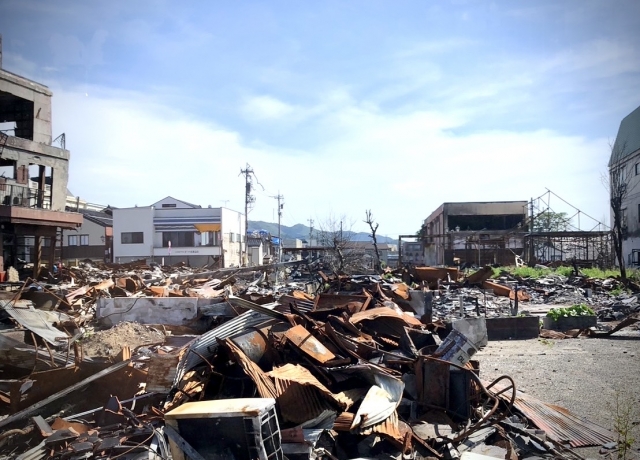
(233, 369)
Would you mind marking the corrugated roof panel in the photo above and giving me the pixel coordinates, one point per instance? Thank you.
(560, 423)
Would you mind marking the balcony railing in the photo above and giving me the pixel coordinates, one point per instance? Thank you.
(25, 197)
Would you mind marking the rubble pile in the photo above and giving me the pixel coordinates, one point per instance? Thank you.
(144, 361)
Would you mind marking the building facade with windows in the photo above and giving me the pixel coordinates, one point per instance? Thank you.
(92, 240)
(413, 253)
(33, 174)
(477, 233)
(172, 231)
(624, 167)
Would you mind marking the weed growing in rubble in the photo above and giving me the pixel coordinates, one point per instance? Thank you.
(619, 290)
(625, 412)
(547, 342)
(535, 273)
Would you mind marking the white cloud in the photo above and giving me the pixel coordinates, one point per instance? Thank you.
(127, 151)
(266, 108)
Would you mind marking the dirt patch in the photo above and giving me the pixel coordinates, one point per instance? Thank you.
(109, 343)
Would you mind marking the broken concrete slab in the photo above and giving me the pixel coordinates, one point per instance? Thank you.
(173, 311)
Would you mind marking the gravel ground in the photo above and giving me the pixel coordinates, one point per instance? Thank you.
(580, 374)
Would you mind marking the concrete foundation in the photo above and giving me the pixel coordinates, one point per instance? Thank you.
(172, 311)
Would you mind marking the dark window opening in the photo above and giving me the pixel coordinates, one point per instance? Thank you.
(169, 205)
(20, 112)
(40, 184)
(7, 168)
(178, 239)
(475, 223)
(131, 238)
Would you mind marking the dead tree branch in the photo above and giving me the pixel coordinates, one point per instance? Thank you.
(374, 227)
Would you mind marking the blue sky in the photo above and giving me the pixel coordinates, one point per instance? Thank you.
(340, 106)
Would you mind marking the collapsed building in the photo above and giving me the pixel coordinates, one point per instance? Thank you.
(34, 175)
(477, 233)
(139, 361)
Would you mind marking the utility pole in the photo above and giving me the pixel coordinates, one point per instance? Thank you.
(531, 237)
(280, 199)
(249, 199)
(310, 230)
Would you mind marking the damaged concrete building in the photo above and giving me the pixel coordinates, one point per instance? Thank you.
(33, 174)
(625, 161)
(173, 231)
(477, 233)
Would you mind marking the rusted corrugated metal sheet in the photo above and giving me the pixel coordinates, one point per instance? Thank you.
(559, 423)
(265, 386)
(353, 303)
(300, 403)
(390, 427)
(301, 376)
(207, 344)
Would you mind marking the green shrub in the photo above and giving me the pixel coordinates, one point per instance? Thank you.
(575, 310)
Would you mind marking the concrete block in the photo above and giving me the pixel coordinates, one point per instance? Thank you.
(173, 311)
(513, 327)
(570, 322)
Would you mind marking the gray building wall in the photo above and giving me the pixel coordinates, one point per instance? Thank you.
(625, 155)
(37, 150)
(464, 230)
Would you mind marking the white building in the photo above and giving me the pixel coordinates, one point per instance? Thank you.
(624, 164)
(175, 231)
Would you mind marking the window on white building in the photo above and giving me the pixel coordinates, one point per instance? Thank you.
(72, 240)
(209, 239)
(84, 240)
(131, 238)
(178, 239)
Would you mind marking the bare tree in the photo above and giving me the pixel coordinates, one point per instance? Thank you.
(374, 227)
(620, 186)
(343, 255)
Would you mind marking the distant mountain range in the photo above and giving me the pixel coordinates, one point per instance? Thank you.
(301, 232)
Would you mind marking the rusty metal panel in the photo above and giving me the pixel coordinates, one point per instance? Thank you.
(434, 391)
(559, 423)
(353, 303)
(265, 386)
(307, 343)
